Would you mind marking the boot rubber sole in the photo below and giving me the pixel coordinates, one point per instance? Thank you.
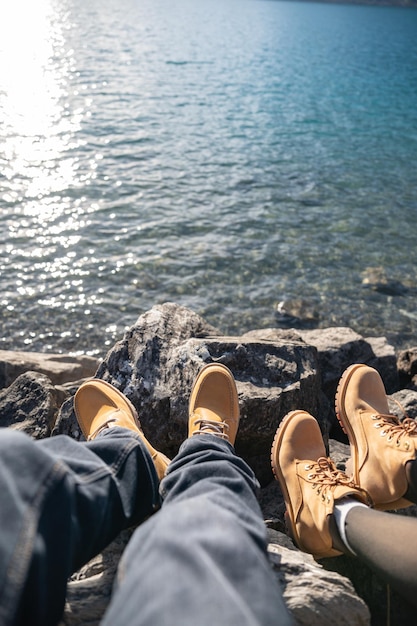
(289, 515)
(343, 418)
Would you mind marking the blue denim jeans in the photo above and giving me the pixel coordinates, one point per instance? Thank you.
(61, 503)
(201, 559)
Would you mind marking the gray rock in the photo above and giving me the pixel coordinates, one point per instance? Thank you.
(89, 590)
(66, 422)
(156, 362)
(340, 347)
(377, 279)
(296, 312)
(407, 398)
(59, 368)
(279, 335)
(273, 507)
(385, 362)
(314, 595)
(407, 367)
(339, 453)
(323, 411)
(30, 404)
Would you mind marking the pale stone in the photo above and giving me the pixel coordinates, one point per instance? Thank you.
(59, 368)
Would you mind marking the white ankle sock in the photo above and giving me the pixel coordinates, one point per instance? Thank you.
(340, 511)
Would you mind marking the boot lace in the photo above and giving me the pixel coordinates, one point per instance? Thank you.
(325, 476)
(395, 429)
(210, 427)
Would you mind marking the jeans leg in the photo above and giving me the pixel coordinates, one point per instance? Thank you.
(202, 558)
(61, 502)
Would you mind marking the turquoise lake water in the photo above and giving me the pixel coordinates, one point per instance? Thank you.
(228, 155)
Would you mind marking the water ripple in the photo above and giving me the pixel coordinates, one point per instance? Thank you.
(229, 159)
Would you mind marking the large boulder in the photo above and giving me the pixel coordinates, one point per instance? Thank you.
(156, 362)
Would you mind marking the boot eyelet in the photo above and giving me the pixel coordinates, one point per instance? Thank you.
(308, 467)
(407, 445)
(378, 425)
(389, 439)
(323, 498)
(383, 433)
(374, 417)
(397, 443)
(310, 476)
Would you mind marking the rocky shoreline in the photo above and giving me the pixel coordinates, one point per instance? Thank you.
(276, 371)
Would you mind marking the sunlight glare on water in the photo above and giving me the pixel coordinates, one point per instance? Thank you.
(33, 87)
(41, 158)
